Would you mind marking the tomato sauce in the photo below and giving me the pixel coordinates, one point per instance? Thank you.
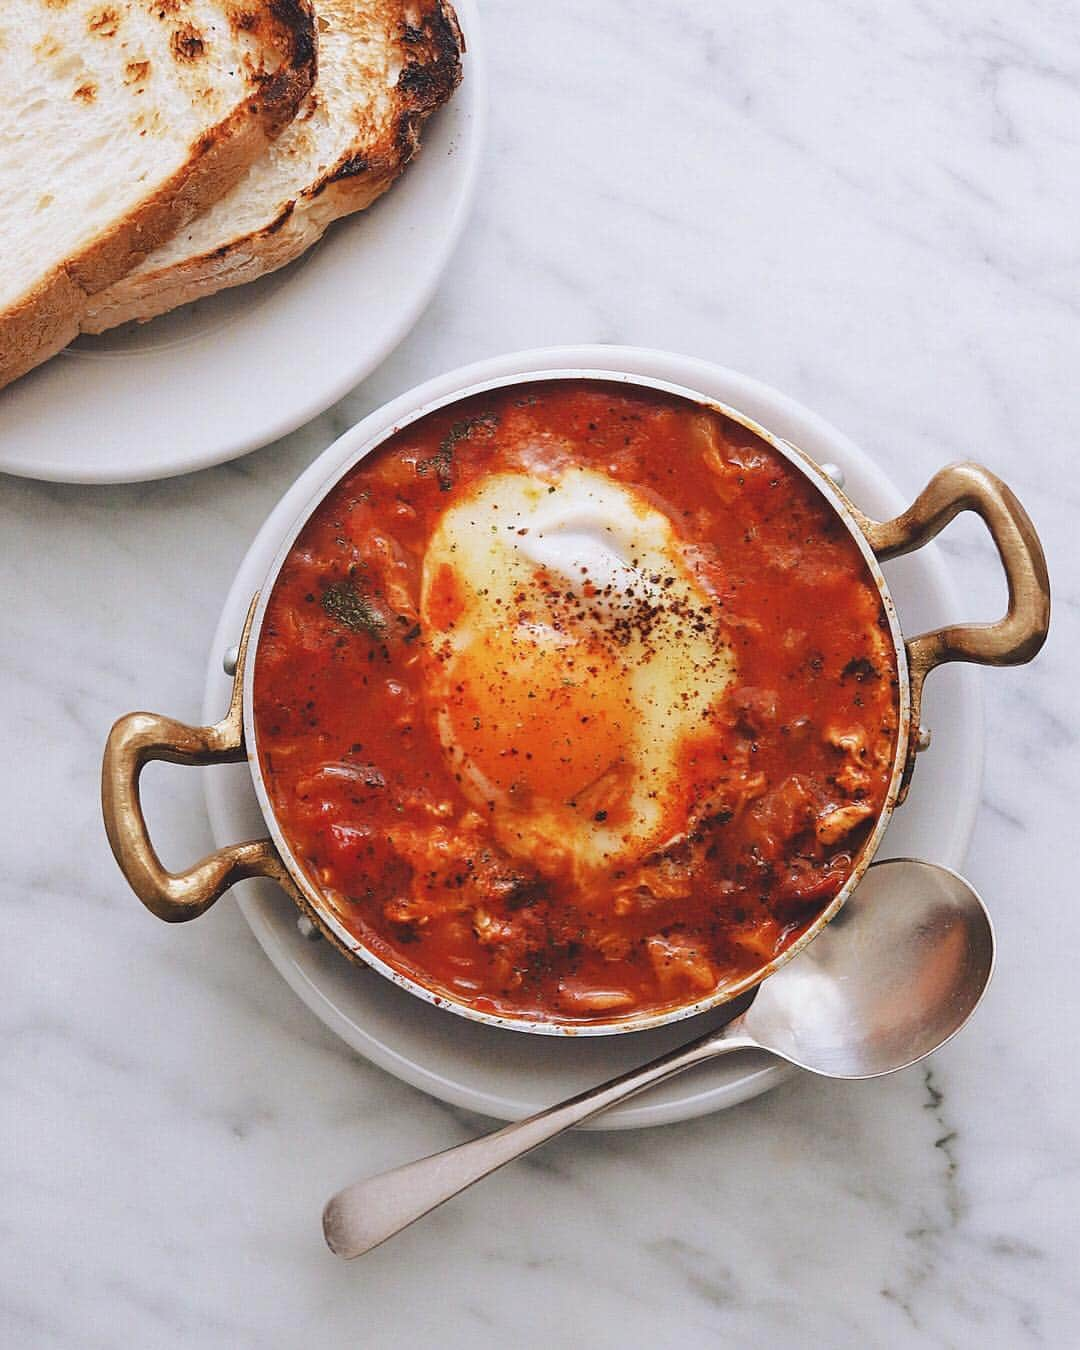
(782, 782)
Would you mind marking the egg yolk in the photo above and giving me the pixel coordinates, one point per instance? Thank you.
(542, 715)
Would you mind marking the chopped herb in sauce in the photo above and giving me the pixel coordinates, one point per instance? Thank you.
(441, 462)
(347, 606)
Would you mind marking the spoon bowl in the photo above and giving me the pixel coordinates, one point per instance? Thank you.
(894, 976)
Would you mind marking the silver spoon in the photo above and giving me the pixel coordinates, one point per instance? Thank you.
(896, 974)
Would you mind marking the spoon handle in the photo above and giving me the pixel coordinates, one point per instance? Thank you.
(370, 1211)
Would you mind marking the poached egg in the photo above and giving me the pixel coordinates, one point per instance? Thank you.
(572, 659)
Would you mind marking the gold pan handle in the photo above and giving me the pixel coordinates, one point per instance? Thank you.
(1018, 635)
(134, 741)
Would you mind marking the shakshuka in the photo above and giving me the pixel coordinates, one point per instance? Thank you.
(578, 700)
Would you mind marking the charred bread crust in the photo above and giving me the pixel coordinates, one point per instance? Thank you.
(431, 73)
(50, 314)
(287, 27)
(431, 50)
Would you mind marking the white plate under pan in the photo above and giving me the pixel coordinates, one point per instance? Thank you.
(508, 1074)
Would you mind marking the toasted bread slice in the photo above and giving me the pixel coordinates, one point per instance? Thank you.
(123, 119)
(384, 66)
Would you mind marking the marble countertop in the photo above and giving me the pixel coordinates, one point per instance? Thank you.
(873, 208)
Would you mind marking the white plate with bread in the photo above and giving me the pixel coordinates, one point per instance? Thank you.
(228, 233)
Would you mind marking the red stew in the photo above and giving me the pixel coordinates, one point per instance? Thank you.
(508, 876)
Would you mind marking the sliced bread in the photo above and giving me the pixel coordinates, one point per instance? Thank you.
(384, 66)
(122, 120)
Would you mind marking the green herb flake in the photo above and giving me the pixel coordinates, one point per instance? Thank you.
(345, 605)
(441, 462)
